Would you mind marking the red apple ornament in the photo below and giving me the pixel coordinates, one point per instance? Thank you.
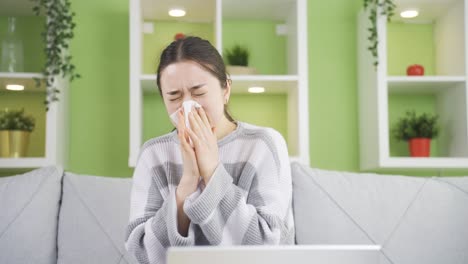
(179, 36)
(415, 70)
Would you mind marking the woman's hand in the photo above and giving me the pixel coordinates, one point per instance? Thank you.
(205, 143)
(189, 182)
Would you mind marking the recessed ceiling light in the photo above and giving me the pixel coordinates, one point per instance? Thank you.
(410, 13)
(15, 87)
(256, 90)
(177, 12)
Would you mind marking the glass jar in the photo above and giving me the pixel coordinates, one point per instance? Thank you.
(12, 50)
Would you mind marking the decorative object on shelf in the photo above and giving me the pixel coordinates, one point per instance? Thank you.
(387, 8)
(418, 130)
(179, 36)
(415, 70)
(15, 129)
(237, 59)
(57, 34)
(12, 49)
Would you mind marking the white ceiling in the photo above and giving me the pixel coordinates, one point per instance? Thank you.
(429, 10)
(197, 10)
(16, 7)
(204, 10)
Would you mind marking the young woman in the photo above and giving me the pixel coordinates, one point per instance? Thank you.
(219, 182)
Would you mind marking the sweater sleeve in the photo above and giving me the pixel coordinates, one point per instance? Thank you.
(152, 225)
(228, 215)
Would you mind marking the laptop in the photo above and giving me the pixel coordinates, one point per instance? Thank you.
(290, 254)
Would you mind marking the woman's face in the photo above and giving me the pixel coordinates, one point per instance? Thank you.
(187, 80)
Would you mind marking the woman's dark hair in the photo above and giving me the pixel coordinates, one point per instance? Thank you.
(197, 50)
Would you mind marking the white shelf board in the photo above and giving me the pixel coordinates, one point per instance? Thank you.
(423, 84)
(273, 84)
(22, 78)
(425, 163)
(13, 163)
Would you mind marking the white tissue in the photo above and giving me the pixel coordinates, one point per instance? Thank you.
(187, 106)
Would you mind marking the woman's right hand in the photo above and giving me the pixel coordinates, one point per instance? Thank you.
(189, 182)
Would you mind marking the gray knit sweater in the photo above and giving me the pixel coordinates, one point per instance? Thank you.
(246, 202)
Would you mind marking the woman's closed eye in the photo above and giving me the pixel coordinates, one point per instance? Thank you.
(200, 94)
(174, 99)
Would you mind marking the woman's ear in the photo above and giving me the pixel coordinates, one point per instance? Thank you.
(227, 91)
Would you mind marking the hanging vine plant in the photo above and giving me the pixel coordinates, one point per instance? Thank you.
(58, 31)
(387, 8)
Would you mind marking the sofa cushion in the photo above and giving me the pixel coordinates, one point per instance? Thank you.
(414, 219)
(29, 207)
(93, 219)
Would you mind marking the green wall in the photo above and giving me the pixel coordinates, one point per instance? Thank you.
(99, 104)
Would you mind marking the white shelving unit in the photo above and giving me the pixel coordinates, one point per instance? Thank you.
(294, 83)
(56, 134)
(448, 86)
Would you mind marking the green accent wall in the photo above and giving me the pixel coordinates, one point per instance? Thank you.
(99, 103)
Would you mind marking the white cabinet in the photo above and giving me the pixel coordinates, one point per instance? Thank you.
(48, 141)
(444, 85)
(222, 21)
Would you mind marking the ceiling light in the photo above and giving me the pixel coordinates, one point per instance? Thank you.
(410, 13)
(177, 12)
(256, 90)
(15, 87)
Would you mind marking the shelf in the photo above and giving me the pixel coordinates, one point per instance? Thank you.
(22, 78)
(256, 24)
(423, 84)
(273, 84)
(23, 163)
(425, 163)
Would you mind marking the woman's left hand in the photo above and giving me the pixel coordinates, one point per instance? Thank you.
(205, 143)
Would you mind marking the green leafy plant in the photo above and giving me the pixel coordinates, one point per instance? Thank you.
(387, 8)
(16, 120)
(58, 32)
(237, 55)
(416, 126)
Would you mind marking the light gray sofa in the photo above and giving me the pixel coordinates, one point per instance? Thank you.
(51, 216)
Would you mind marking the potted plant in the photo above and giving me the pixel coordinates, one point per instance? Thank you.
(15, 129)
(237, 59)
(418, 130)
